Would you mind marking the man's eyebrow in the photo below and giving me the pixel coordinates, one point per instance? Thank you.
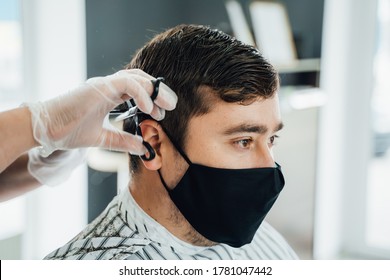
(279, 127)
(250, 128)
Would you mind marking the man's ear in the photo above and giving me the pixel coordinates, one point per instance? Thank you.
(151, 133)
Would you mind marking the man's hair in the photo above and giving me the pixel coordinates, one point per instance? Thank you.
(194, 61)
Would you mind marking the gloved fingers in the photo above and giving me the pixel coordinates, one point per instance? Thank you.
(157, 113)
(123, 85)
(109, 89)
(122, 141)
(102, 86)
(141, 89)
(166, 98)
(129, 85)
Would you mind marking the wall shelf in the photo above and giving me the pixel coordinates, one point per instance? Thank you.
(300, 65)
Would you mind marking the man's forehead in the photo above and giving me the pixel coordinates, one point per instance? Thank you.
(262, 114)
(211, 97)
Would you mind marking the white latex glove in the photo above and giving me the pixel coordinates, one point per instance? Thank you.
(79, 118)
(57, 167)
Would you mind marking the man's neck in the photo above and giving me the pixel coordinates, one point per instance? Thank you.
(150, 194)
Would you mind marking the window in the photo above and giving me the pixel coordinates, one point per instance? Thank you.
(352, 194)
(11, 87)
(378, 191)
(11, 53)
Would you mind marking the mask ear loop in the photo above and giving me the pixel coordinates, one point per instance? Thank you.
(181, 152)
(178, 148)
(152, 153)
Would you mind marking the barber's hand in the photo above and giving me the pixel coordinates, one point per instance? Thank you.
(57, 167)
(79, 118)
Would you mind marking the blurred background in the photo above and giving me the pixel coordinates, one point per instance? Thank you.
(334, 61)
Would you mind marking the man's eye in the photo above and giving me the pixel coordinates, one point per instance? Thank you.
(243, 143)
(272, 139)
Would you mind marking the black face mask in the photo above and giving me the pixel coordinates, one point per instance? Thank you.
(226, 205)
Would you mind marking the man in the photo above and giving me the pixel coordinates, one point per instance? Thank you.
(210, 177)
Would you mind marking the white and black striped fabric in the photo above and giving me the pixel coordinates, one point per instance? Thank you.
(124, 231)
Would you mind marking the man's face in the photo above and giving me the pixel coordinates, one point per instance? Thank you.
(230, 135)
(235, 136)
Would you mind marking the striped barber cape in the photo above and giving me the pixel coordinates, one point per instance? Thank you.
(124, 231)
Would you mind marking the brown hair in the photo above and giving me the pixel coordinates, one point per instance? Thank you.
(195, 60)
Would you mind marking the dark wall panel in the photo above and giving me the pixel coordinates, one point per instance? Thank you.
(116, 29)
